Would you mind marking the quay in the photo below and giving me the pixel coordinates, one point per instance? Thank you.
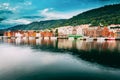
(55, 38)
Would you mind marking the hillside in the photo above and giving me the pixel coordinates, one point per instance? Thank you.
(106, 15)
(39, 25)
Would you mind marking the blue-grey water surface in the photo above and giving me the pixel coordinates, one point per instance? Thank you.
(59, 60)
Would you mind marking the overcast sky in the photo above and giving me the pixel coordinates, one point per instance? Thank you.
(16, 12)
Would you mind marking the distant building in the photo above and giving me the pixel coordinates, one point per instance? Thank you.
(46, 34)
(99, 32)
(115, 29)
(64, 31)
(74, 31)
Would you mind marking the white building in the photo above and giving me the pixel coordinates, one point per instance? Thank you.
(79, 30)
(38, 35)
(18, 35)
(66, 30)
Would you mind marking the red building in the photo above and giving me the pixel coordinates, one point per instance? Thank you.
(105, 32)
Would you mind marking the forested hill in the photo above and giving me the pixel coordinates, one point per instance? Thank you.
(106, 15)
(39, 25)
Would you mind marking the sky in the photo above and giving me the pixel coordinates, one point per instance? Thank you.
(16, 12)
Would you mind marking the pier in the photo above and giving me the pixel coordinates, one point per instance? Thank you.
(65, 37)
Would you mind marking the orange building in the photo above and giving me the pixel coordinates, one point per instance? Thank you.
(105, 32)
(30, 33)
(10, 34)
(46, 34)
(112, 34)
(34, 34)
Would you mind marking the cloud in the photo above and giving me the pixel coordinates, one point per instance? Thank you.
(18, 5)
(4, 6)
(5, 14)
(49, 14)
(22, 20)
(110, 1)
(27, 3)
(16, 21)
(8, 6)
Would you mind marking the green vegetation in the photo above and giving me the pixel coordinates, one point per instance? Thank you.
(39, 25)
(56, 32)
(75, 36)
(106, 15)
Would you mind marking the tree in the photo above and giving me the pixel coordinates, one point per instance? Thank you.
(56, 32)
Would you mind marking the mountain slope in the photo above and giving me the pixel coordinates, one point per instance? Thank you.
(39, 25)
(109, 14)
(106, 15)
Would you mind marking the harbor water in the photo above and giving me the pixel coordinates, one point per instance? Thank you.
(62, 59)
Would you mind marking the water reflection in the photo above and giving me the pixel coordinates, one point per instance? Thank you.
(106, 53)
(24, 63)
(70, 44)
(65, 44)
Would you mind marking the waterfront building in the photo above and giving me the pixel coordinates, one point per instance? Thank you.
(46, 34)
(5, 33)
(18, 35)
(70, 31)
(79, 30)
(90, 32)
(74, 32)
(116, 30)
(38, 34)
(99, 32)
(64, 31)
(26, 34)
(105, 32)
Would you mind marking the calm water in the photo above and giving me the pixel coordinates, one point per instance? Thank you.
(59, 60)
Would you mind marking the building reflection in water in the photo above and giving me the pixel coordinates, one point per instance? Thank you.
(18, 41)
(26, 41)
(10, 41)
(69, 44)
(65, 44)
(32, 41)
(118, 45)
